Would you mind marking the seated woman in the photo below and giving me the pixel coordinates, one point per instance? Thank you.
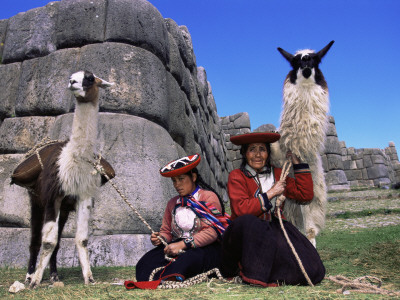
(254, 246)
(193, 221)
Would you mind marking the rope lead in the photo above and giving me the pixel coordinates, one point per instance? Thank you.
(99, 168)
(279, 202)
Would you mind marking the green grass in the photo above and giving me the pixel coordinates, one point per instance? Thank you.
(358, 252)
(365, 213)
(352, 253)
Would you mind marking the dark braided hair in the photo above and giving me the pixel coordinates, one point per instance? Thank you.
(243, 151)
(200, 182)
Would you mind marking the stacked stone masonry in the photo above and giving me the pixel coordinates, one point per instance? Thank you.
(344, 167)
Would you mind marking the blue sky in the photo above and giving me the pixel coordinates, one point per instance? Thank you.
(236, 40)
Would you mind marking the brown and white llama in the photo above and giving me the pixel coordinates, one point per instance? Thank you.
(67, 182)
(303, 126)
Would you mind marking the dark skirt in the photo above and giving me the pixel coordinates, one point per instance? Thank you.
(188, 264)
(258, 251)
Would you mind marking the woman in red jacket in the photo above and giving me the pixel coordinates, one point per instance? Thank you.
(254, 245)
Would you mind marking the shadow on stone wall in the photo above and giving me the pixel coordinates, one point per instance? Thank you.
(161, 108)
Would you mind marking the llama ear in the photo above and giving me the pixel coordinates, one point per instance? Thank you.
(103, 83)
(286, 54)
(323, 51)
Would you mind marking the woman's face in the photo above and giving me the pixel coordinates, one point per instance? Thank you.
(184, 184)
(256, 155)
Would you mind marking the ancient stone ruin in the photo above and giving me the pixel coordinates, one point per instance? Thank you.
(161, 108)
(344, 167)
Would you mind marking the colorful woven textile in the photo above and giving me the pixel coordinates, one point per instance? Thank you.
(207, 212)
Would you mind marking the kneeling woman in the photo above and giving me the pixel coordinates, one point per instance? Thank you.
(193, 221)
(254, 246)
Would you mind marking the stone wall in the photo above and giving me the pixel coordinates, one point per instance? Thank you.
(344, 167)
(161, 108)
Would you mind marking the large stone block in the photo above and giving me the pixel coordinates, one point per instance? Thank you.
(43, 84)
(139, 76)
(181, 121)
(189, 87)
(203, 87)
(31, 34)
(9, 80)
(335, 177)
(107, 250)
(382, 182)
(265, 127)
(347, 164)
(378, 159)
(242, 121)
(18, 135)
(80, 22)
(189, 46)
(178, 34)
(331, 130)
(176, 66)
(324, 161)
(377, 171)
(3, 30)
(360, 163)
(353, 175)
(334, 162)
(138, 23)
(367, 161)
(14, 247)
(14, 200)
(332, 145)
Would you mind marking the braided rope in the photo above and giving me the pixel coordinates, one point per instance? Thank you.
(35, 149)
(361, 285)
(194, 280)
(279, 202)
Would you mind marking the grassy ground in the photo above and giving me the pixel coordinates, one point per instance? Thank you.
(362, 238)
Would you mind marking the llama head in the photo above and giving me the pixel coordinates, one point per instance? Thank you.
(84, 85)
(305, 64)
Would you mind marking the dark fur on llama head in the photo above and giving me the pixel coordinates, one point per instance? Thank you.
(305, 64)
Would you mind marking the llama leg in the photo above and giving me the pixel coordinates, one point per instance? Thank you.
(314, 213)
(49, 240)
(53, 259)
(37, 215)
(82, 234)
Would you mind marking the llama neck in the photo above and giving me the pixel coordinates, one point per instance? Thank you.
(84, 128)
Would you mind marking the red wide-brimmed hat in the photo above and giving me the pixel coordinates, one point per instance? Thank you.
(255, 137)
(180, 166)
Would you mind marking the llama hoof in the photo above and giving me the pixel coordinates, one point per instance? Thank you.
(33, 285)
(54, 277)
(28, 278)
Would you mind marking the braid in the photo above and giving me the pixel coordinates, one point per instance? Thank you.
(206, 186)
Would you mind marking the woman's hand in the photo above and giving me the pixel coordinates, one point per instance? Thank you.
(293, 157)
(277, 189)
(154, 238)
(173, 249)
